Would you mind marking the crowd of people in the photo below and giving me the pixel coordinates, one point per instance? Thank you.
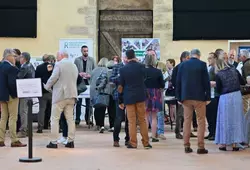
(215, 92)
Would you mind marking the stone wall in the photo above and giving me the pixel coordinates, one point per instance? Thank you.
(67, 19)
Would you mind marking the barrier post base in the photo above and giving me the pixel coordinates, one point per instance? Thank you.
(30, 160)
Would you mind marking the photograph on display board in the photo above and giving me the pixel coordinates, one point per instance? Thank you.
(140, 46)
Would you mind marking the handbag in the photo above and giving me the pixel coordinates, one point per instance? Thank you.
(81, 88)
(101, 100)
(245, 90)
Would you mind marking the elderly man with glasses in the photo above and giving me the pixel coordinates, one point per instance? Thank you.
(8, 98)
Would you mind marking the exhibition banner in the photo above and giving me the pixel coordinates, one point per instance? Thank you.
(140, 46)
(73, 47)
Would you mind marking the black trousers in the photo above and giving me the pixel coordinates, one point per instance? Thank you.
(111, 111)
(64, 125)
(87, 110)
(47, 116)
(211, 114)
(99, 114)
(119, 118)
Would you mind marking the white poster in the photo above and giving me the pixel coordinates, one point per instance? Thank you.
(28, 88)
(73, 47)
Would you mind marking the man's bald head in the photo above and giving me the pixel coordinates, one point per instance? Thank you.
(61, 55)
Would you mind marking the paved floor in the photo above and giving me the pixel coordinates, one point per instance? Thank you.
(94, 151)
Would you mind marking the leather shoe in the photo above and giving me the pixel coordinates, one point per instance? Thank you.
(202, 151)
(188, 150)
(178, 136)
(70, 145)
(116, 144)
(52, 146)
(18, 144)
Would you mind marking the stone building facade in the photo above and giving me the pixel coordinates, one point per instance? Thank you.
(80, 19)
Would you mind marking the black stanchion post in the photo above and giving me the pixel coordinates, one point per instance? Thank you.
(30, 158)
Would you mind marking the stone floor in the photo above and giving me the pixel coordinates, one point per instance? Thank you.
(94, 151)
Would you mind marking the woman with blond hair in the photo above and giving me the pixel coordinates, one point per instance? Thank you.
(154, 83)
(230, 118)
(99, 74)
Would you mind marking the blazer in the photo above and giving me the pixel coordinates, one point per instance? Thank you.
(63, 80)
(90, 66)
(43, 73)
(27, 71)
(132, 77)
(193, 81)
(8, 76)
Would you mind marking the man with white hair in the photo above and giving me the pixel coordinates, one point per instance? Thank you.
(8, 98)
(245, 58)
(64, 94)
(192, 74)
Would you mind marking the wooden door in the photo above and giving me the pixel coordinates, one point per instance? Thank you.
(115, 25)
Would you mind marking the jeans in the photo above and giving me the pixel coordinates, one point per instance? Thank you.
(119, 118)
(161, 123)
(111, 111)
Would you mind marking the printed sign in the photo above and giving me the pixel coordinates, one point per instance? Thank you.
(73, 47)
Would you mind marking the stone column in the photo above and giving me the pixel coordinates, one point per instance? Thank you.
(163, 26)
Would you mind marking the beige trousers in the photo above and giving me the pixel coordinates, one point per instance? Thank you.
(200, 108)
(66, 107)
(9, 111)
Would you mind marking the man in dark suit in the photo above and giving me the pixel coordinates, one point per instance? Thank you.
(8, 98)
(132, 85)
(44, 72)
(27, 71)
(193, 91)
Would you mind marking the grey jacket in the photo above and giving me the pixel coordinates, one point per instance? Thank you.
(104, 86)
(63, 80)
(89, 67)
(27, 71)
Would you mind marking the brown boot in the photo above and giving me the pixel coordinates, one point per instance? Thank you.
(116, 144)
(17, 144)
(2, 144)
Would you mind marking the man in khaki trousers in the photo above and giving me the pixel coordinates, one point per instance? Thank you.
(8, 98)
(193, 91)
(64, 94)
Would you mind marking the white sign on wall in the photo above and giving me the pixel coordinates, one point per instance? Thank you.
(73, 47)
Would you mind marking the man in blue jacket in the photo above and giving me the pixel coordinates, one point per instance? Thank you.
(132, 77)
(8, 98)
(193, 91)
